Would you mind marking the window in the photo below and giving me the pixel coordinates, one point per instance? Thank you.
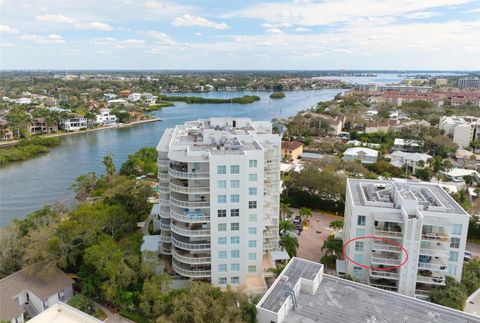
(453, 256)
(235, 169)
(252, 204)
(235, 253)
(252, 243)
(252, 191)
(235, 226)
(361, 220)
(221, 169)
(358, 259)
(358, 245)
(252, 218)
(222, 240)
(222, 268)
(252, 163)
(234, 213)
(222, 254)
(452, 270)
(222, 227)
(235, 183)
(235, 198)
(222, 280)
(235, 240)
(357, 271)
(360, 233)
(252, 269)
(235, 267)
(252, 230)
(252, 256)
(222, 199)
(235, 280)
(222, 213)
(221, 184)
(457, 229)
(455, 243)
(252, 177)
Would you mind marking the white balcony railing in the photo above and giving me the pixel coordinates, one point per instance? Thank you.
(190, 246)
(165, 238)
(439, 266)
(383, 274)
(190, 259)
(188, 204)
(435, 280)
(436, 236)
(163, 177)
(190, 233)
(190, 217)
(164, 226)
(386, 261)
(191, 273)
(188, 175)
(381, 232)
(188, 189)
(385, 247)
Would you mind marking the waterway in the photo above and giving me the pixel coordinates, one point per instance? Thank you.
(29, 185)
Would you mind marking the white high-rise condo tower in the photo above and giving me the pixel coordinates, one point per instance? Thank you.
(420, 217)
(219, 198)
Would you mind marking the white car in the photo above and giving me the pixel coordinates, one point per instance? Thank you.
(457, 179)
(467, 256)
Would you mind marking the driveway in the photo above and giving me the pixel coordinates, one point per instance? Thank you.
(312, 237)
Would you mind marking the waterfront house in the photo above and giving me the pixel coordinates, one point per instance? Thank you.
(40, 126)
(364, 155)
(104, 118)
(24, 294)
(74, 123)
(134, 97)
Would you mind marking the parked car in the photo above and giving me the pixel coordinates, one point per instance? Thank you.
(457, 179)
(297, 220)
(467, 256)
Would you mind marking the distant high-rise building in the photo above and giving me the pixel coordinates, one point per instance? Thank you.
(219, 198)
(469, 83)
(419, 217)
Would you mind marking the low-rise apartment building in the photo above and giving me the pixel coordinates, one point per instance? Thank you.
(291, 150)
(463, 129)
(219, 184)
(362, 154)
(414, 235)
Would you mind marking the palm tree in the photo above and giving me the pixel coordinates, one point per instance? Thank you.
(332, 246)
(336, 225)
(277, 270)
(286, 226)
(109, 165)
(305, 214)
(290, 244)
(285, 211)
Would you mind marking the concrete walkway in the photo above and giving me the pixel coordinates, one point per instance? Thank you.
(113, 317)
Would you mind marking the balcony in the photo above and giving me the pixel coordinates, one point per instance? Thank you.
(163, 177)
(385, 259)
(437, 279)
(183, 203)
(383, 246)
(436, 236)
(197, 217)
(188, 258)
(189, 232)
(387, 233)
(166, 238)
(165, 250)
(185, 189)
(190, 245)
(180, 171)
(432, 264)
(384, 274)
(165, 227)
(191, 272)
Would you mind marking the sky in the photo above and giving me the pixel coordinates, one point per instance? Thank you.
(231, 34)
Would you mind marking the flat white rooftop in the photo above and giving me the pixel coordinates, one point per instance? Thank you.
(63, 313)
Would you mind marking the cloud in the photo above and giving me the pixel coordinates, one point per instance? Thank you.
(198, 34)
(37, 39)
(7, 30)
(190, 21)
(135, 41)
(273, 31)
(116, 43)
(422, 15)
(61, 19)
(95, 25)
(476, 10)
(160, 37)
(303, 29)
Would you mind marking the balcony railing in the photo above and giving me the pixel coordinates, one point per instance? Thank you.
(190, 259)
(188, 204)
(193, 273)
(191, 233)
(165, 226)
(190, 246)
(436, 236)
(165, 251)
(166, 238)
(435, 280)
(190, 217)
(188, 189)
(434, 265)
(383, 274)
(382, 232)
(385, 247)
(163, 177)
(386, 261)
(187, 175)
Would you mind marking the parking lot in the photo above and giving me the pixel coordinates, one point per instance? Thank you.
(312, 237)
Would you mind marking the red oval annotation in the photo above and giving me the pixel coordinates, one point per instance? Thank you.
(394, 243)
